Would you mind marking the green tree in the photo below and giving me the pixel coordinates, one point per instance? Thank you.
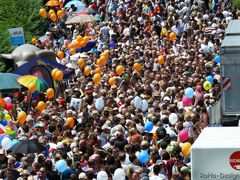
(20, 13)
(236, 4)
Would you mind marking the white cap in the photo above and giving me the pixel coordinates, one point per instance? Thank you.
(102, 175)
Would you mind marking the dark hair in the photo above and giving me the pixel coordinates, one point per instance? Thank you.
(156, 169)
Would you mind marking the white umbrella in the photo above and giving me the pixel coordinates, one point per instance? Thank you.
(81, 18)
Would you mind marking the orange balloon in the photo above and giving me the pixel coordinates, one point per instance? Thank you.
(106, 53)
(86, 38)
(60, 54)
(21, 117)
(31, 88)
(77, 44)
(43, 13)
(41, 106)
(53, 17)
(111, 81)
(99, 63)
(119, 70)
(186, 148)
(51, 11)
(104, 59)
(59, 75)
(70, 122)
(137, 67)
(96, 78)
(79, 38)
(60, 14)
(34, 40)
(87, 71)
(70, 46)
(72, 51)
(2, 102)
(54, 72)
(50, 93)
(81, 63)
(172, 36)
(160, 59)
(83, 43)
(98, 70)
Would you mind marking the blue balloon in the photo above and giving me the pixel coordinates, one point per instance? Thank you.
(61, 165)
(34, 95)
(112, 44)
(143, 156)
(189, 92)
(148, 126)
(217, 59)
(4, 122)
(210, 79)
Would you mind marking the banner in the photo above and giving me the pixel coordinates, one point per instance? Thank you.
(16, 36)
(76, 103)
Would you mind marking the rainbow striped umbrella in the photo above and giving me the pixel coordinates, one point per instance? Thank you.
(27, 80)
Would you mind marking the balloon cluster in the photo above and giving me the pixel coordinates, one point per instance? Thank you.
(6, 104)
(57, 75)
(186, 146)
(52, 14)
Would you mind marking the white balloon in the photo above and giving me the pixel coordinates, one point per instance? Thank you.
(144, 105)
(137, 102)
(102, 175)
(6, 143)
(173, 118)
(119, 174)
(99, 104)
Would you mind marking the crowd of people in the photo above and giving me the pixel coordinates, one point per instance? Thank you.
(115, 141)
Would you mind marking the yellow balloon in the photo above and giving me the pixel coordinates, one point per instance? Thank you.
(207, 85)
(8, 131)
(186, 148)
(7, 117)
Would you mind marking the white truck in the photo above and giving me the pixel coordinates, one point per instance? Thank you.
(227, 110)
(215, 155)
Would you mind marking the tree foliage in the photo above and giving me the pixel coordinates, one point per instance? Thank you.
(20, 13)
(236, 4)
